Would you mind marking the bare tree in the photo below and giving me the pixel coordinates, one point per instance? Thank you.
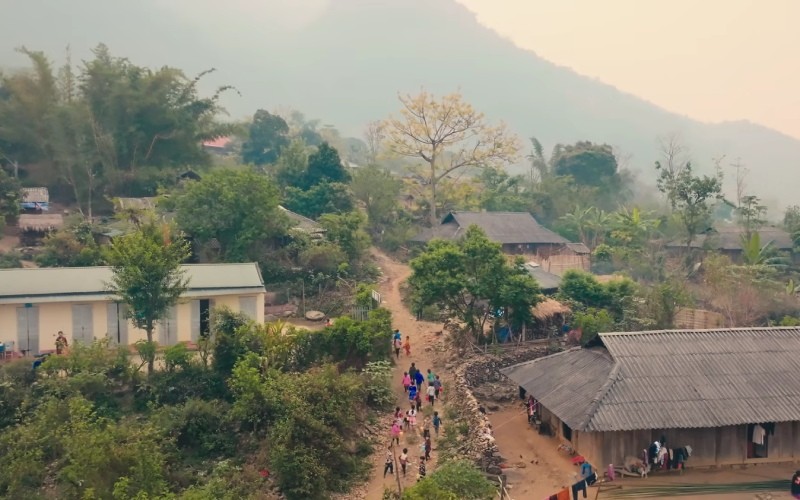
(448, 135)
(375, 136)
(741, 178)
(674, 153)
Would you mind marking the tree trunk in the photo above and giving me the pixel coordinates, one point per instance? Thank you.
(152, 359)
(434, 219)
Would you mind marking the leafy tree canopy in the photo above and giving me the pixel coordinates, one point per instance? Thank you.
(236, 209)
(267, 136)
(472, 279)
(589, 164)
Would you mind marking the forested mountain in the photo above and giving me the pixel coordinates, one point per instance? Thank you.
(344, 61)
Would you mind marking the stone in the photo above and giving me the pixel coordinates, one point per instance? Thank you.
(315, 315)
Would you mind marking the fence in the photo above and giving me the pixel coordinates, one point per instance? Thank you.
(698, 319)
(360, 313)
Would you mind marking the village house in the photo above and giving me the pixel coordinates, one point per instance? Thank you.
(517, 232)
(34, 227)
(728, 241)
(35, 200)
(733, 395)
(37, 303)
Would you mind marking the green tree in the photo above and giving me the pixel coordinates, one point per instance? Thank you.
(378, 190)
(10, 197)
(791, 218)
(456, 480)
(72, 247)
(633, 228)
(448, 135)
(589, 164)
(290, 169)
(323, 198)
(267, 135)
(324, 165)
(237, 209)
(471, 279)
(147, 275)
(347, 231)
(751, 214)
(690, 197)
(502, 192)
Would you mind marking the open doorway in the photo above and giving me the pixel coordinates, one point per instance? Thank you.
(758, 440)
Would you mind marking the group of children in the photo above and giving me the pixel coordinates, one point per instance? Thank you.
(413, 382)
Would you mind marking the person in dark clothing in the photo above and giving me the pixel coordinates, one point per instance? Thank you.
(389, 466)
(522, 392)
(796, 484)
(419, 379)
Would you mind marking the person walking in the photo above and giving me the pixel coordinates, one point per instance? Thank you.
(428, 448)
(396, 432)
(421, 474)
(437, 383)
(437, 422)
(412, 418)
(431, 377)
(412, 393)
(389, 465)
(419, 379)
(407, 346)
(404, 461)
(412, 371)
(418, 402)
(431, 394)
(397, 335)
(406, 381)
(397, 344)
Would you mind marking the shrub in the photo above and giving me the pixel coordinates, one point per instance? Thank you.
(204, 428)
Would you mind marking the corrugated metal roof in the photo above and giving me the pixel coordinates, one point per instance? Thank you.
(44, 284)
(547, 281)
(502, 227)
(674, 379)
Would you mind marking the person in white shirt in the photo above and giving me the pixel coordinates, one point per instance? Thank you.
(431, 394)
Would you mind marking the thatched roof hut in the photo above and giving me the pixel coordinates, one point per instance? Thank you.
(549, 309)
(40, 223)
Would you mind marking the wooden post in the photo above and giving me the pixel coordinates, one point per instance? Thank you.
(397, 470)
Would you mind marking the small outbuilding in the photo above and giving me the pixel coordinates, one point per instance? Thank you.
(35, 199)
(34, 227)
(732, 395)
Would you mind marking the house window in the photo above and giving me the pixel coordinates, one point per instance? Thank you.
(758, 440)
(566, 431)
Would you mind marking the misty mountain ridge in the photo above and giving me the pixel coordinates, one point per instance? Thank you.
(344, 62)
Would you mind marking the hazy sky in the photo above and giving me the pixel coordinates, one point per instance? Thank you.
(712, 60)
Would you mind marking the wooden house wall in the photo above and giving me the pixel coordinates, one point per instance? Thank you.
(710, 447)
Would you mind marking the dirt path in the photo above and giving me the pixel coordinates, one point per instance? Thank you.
(423, 339)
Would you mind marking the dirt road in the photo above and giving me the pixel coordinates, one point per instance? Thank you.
(423, 339)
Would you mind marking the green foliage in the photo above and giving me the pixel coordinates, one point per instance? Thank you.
(324, 166)
(791, 218)
(267, 136)
(106, 127)
(689, 197)
(583, 288)
(147, 275)
(663, 300)
(323, 198)
(10, 196)
(177, 357)
(751, 214)
(593, 321)
(377, 190)
(471, 279)
(236, 209)
(789, 321)
(291, 166)
(587, 163)
(378, 381)
(347, 231)
(73, 247)
(230, 338)
(455, 480)
(10, 260)
(203, 428)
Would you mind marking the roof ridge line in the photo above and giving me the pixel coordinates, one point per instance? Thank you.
(601, 394)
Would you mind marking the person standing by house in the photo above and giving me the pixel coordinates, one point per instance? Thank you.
(61, 343)
(389, 465)
(796, 485)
